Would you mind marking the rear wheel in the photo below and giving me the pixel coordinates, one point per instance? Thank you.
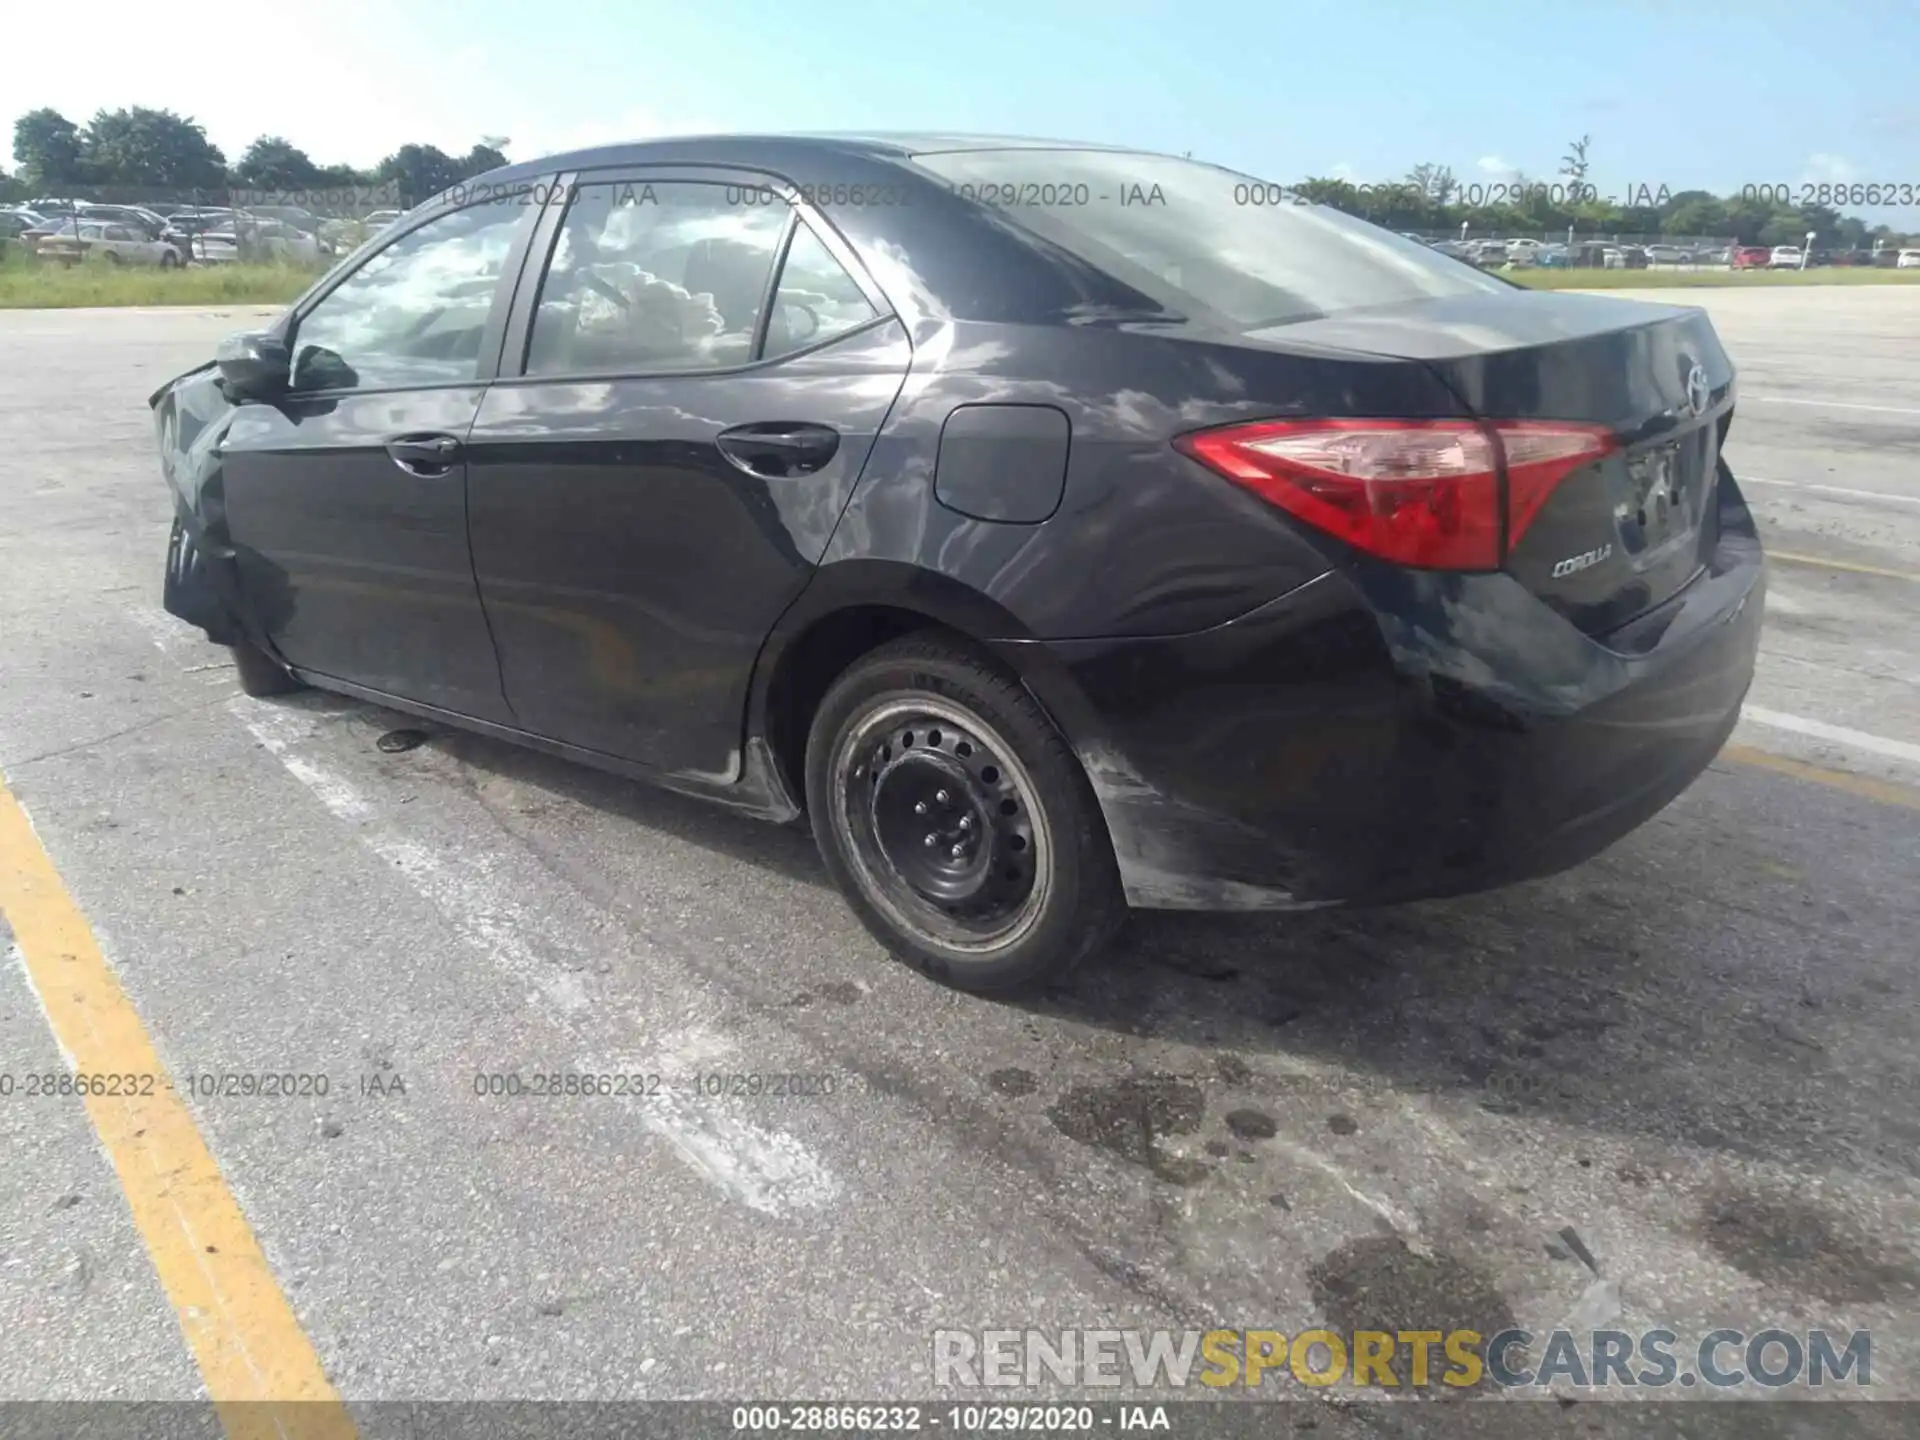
(260, 674)
(957, 822)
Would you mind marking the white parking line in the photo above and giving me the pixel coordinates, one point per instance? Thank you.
(1839, 734)
(765, 1170)
(1829, 404)
(1887, 496)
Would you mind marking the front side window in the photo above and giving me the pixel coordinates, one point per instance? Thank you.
(415, 312)
(654, 277)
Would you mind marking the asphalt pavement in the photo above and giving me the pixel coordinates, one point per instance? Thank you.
(1697, 1054)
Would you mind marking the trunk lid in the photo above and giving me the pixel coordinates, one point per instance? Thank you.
(1618, 536)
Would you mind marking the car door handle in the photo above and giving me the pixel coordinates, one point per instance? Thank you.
(424, 455)
(775, 449)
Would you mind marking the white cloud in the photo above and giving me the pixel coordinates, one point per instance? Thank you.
(1497, 165)
(1344, 171)
(1829, 169)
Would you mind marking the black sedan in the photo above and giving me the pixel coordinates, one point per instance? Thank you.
(1058, 528)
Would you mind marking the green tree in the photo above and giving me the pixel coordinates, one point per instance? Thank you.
(481, 158)
(1433, 183)
(1747, 218)
(1852, 233)
(272, 163)
(1695, 212)
(340, 177)
(48, 148)
(1573, 164)
(1823, 220)
(420, 171)
(1784, 227)
(151, 149)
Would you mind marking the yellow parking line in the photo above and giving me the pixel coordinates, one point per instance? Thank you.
(259, 1367)
(1887, 792)
(1788, 557)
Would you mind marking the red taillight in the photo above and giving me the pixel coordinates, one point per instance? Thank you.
(1419, 492)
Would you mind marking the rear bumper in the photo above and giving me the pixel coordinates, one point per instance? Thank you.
(1382, 735)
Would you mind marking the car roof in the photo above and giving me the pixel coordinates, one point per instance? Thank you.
(893, 145)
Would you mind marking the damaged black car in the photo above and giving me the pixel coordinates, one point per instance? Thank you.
(1058, 529)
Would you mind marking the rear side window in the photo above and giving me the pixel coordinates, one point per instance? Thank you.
(1220, 247)
(654, 277)
(815, 301)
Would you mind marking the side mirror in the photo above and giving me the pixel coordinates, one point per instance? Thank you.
(255, 365)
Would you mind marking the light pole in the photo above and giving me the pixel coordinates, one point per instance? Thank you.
(1806, 251)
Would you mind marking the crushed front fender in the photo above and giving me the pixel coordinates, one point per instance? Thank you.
(191, 414)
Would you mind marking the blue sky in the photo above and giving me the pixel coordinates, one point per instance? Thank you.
(1687, 95)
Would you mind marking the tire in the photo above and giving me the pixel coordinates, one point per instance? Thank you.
(1021, 884)
(260, 674)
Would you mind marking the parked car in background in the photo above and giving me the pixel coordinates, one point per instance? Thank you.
(115, 244)
(1713, 255)
(1752, 257)
(1785, 257)
(216, 245)
(138, 217)
(1669, 255)
(15, 221)
(254, 239)
(48, 227)
(183, 225)
(303, 220)
(1908, 260)
(1523, 251)
(283, 240)
(1553, 257)
(341, 234)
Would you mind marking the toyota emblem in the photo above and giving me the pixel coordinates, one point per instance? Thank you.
(1699, 393)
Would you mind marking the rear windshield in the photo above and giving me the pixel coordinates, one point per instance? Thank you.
(1204, 241)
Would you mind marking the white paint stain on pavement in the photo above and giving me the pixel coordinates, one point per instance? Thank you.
(1838, 734)
(1821, 404)
(766, 1170)
(1883, 496)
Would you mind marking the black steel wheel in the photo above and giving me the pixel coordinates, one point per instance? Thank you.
(956, 819)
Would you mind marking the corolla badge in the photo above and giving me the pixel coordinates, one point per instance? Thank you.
(1699, 392)
(1574, 564)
